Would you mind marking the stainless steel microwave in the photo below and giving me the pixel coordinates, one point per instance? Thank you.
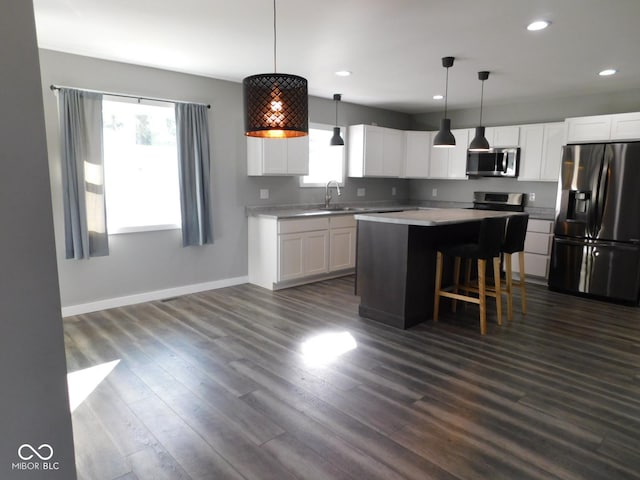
(497, 162)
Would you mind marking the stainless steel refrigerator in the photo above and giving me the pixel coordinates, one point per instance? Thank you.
(596, 245)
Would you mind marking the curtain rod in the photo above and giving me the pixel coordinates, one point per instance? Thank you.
(125, 95)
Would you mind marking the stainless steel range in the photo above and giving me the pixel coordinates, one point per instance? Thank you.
(504, 201)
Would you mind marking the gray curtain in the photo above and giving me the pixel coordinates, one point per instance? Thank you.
(192, 135)
(85, 219)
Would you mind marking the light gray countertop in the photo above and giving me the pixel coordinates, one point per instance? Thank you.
(433, 217)
(304, 211)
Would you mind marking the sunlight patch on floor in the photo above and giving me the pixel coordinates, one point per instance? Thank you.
(325, 348)
(83, 382)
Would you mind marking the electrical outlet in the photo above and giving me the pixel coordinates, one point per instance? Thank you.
(264, 193)
(360, 192)
(532, 197)
(393, 191)
(434, 192)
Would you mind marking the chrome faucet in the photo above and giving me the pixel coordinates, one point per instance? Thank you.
(327, 192)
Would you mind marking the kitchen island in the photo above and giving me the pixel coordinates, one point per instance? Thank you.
(396, 259)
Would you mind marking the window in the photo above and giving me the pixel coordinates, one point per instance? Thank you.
(140, 166)
(325, 162)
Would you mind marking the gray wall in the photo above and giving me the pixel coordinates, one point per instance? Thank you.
(34, 401)
(539, 111)
(152, 261)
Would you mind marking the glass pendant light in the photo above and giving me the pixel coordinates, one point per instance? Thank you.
(336, 140)
(479, 142)
(444, 137)
(276, 105)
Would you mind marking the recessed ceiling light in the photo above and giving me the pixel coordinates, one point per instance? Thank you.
(438, 97)
(538, 25)
(343, 73)
(607, 72)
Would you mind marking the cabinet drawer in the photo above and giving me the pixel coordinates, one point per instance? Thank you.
(542, 226)
(342, 221)
(539, 243)
(304, 225)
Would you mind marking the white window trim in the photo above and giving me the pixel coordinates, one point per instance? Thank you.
(343, 131)
(145, 228)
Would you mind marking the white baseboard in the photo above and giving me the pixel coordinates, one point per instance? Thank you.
(150, 296)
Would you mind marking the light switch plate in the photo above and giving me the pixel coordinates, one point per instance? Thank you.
(393, 191)
(434, 192)
(264, 193)
(360, 192)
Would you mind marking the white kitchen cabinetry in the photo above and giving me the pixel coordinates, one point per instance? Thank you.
(417, 152)
(287, 252)
(508, 136)
(374, 151)
(342, 242)
(602, 128)
(450, 162)
(588, 129)
(625, 126)
(537, 248)
(541, 151)
(278, 156)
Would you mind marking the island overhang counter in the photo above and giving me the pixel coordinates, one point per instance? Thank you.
(396, 259)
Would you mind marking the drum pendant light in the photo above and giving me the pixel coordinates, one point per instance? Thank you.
(444, 137)
(336, 140)
(479, 142)
(276, 105)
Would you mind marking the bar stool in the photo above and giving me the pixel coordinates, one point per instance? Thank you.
(488, 247)
(514, 243)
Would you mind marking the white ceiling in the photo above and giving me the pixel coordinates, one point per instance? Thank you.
(393, 47)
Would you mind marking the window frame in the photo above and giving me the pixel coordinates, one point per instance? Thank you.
(141, 228)
(343, 131)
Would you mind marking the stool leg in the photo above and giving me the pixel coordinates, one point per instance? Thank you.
(482, 264)
(436, 296)
(456, 281)
(523, 290)
(509, 272)
(496, 279)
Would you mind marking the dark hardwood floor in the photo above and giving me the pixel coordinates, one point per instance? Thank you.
(214, 386)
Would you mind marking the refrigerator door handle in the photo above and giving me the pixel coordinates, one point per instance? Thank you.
(601, 195)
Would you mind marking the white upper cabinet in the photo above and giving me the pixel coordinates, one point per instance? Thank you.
(588, 129)
(374, 151)
(281, 156)
(451, 162)
(602, 128)
(417, 152)
(531, 138)
(541, 151)
(625, 126)
(554, 140)
(508, 136)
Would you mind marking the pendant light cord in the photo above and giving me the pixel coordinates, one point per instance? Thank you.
(446, 93)
(481, 100)
(336, 113)
(275, 70)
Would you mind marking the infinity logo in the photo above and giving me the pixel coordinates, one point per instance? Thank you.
(44, 451)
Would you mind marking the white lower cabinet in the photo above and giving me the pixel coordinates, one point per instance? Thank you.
(287, 252)
(537, 249)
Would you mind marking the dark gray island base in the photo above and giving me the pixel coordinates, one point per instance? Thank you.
(396, 260)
